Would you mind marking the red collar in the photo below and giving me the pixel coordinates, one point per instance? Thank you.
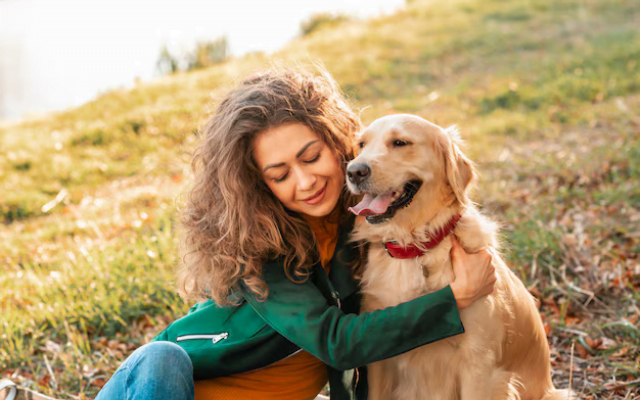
(412, 251)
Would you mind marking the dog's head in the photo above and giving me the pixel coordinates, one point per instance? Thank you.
(406, 162)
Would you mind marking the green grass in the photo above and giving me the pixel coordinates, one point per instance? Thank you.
(546, 94)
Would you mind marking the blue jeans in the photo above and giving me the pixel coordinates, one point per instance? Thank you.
(157, 370)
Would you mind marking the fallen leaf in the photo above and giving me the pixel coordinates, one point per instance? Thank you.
(582, 351)
(99, 382)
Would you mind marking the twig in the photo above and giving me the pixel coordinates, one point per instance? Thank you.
(573, 345)
(53, 377)
(621, 385)
(534, 266)
(563, 291)
(552, 275)
(574, 331)
(580, 290)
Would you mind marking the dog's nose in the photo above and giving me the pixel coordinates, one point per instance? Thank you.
(357, 173)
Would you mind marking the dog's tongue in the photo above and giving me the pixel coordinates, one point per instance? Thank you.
(372, 205)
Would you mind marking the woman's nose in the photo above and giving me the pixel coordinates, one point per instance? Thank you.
(306, 180)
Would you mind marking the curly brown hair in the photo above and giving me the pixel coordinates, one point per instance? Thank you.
(232, 223)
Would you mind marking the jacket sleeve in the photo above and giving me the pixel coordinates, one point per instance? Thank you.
(300, 313)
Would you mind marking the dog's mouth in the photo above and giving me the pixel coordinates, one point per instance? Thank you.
(382, 207)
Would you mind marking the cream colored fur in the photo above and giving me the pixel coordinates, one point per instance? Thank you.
(503, 353)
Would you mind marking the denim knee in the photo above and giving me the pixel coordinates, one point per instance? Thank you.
(161, 359)
(158, 370)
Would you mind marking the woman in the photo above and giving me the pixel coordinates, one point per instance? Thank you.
(265, 243)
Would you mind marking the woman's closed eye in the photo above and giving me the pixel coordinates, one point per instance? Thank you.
(280, 179)
(283, 177)
(314, 159)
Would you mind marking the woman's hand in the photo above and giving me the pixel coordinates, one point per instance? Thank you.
(475, 275)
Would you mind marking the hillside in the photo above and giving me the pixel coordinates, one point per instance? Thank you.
(546, 95)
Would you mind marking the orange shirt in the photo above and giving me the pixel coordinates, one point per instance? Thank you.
(326, 235)
(299, 376)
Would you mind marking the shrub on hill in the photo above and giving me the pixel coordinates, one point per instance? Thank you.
(321, 21)
(205, 54)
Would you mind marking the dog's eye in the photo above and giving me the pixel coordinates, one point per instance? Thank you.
(361, 144)
(399, 143)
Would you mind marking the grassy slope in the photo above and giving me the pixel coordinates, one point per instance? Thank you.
(546, 93)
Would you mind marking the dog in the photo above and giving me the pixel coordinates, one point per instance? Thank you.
(415, 178)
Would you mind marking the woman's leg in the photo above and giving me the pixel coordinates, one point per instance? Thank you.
(158, 370)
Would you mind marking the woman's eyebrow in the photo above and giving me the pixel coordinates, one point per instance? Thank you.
(273, 166)
(301, 152)
(305, 148)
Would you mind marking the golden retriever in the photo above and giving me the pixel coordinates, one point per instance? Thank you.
(414, 179)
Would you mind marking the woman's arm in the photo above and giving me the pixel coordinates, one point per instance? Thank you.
(300, 313)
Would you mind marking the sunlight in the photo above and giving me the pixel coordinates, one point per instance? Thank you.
(51, 63)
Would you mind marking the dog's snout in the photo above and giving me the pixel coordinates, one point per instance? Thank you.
(357, 173)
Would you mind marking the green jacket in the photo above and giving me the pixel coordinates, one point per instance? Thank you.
(320, 316)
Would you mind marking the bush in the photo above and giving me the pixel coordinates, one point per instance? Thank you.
(209, 53)
(205, 54)
(320, 21)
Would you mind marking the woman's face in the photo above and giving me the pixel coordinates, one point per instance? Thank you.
(301, 171)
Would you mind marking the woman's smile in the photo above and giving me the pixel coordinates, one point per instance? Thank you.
(317, 197)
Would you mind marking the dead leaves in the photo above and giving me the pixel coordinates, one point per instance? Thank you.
(571, 213)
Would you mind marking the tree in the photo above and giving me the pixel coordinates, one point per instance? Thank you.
(204, 54)
(209, 53)
(166, 64)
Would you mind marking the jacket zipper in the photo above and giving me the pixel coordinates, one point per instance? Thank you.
(334, 292)
(214, 338)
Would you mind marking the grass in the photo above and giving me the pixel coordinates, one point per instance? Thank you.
(546, 94)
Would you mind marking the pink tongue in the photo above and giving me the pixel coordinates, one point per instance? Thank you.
(371, 205)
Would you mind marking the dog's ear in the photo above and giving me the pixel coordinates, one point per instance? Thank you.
(459, 169)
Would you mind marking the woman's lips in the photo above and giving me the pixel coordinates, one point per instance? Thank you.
(316, 198)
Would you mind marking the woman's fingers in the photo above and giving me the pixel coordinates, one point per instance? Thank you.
(484, 259)
(455, 247)
(475, 273)
(454, 241)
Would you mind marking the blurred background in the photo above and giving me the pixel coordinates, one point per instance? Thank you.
(101, 104)
(59, 54)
